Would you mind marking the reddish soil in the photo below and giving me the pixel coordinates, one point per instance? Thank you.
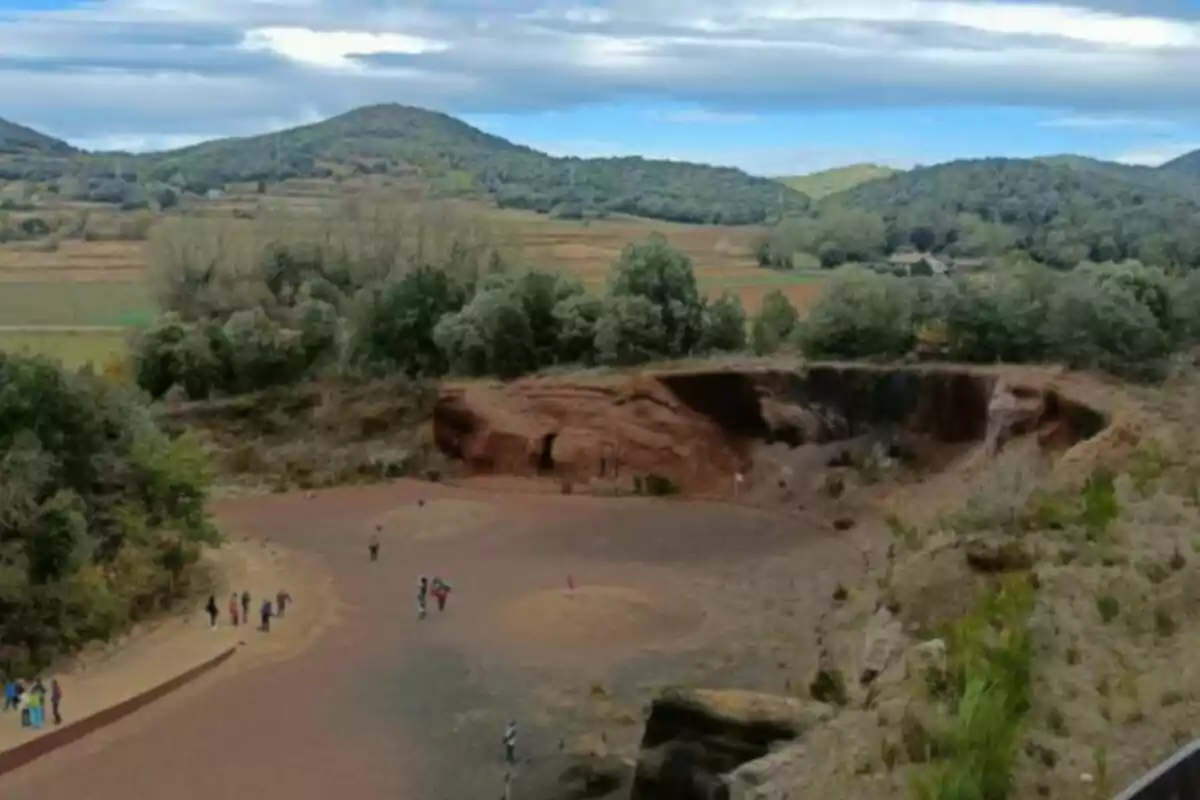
(384, 706)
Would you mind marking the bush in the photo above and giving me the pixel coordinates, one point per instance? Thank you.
(723, 325)
(775, 323)
(630, 330)
(392, 330)
(861, 315)
(999, 317)
(1102, 326)
(103, 514)
(491, 335)
(658, 273)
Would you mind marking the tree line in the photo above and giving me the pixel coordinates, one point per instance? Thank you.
(1057, 214)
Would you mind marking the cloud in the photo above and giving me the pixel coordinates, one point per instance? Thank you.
(702, 116)
(1155, 155)
(1106, 121)
(157, 69)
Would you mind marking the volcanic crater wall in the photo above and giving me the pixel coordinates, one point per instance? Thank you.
(697, 427)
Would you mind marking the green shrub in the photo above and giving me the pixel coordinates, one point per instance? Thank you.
(774, 325)
(862, 314)
(723, 327)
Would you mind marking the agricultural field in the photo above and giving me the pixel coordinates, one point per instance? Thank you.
(76, 298)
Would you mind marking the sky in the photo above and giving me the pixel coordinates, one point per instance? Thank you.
(775, 87)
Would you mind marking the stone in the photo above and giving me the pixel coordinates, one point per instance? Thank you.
(693, 738)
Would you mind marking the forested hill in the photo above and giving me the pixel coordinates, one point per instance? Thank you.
(1059, 213)
(440, 153)
(16, 138)
(1186, 165)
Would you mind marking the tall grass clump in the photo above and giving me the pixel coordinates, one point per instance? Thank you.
(984, 698)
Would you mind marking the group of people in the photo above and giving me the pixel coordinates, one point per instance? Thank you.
(425, 587)
(239, 609)
(31, 701)
(440, 590)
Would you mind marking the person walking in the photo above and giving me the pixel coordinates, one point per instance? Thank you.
(265, 614)
(23, 705)
(441, 591)
(246, 606)
(373, 544)
(282, 598)
(510, 743)
(233, 610)
(422, 596)
(37, 706)
(211, 608)
(56, 697)
(10, 694)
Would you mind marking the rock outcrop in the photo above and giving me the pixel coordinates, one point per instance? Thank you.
(697, 428)
(695, 738)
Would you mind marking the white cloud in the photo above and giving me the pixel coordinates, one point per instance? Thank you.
(1106, 121)
(336, 49)
(703, 116)
(168, 68)
(1155, 155)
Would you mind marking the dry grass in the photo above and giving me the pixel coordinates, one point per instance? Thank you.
(74, 303)
(352, 215)
(73, 348)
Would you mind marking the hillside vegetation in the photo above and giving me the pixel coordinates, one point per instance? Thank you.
(16, 138)
(839, 179)
(443, 155)
(1059, 214)
(103, 515)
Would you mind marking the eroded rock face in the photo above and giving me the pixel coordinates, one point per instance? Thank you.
(698, 428)
(695, 738)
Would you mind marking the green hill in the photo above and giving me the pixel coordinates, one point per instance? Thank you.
(1057, 213)
(840, 179)
(18, 140)
(1187, 165)
(447, 157)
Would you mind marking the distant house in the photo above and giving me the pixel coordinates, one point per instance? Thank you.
(909, 260)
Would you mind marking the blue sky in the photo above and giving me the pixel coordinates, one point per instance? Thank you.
(772, 86)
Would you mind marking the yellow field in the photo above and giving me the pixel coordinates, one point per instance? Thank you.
(74, 348)
(74, 282)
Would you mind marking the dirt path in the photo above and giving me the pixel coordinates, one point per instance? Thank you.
(159, 651)
(386, 706)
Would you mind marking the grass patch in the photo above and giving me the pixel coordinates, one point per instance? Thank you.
(74, 302)
(73, 349)
(986, 695)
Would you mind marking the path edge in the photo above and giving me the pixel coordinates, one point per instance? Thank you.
(27, 752)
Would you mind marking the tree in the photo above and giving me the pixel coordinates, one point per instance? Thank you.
(393, 324)
(491, 335)
(775, 323)
(862, 314)
(662, 275)
(630, 330)
(724, 325)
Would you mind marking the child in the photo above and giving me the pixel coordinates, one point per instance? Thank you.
(373, 544)
(233, 609)
(37, 706)
(246, 606)
(10, 694)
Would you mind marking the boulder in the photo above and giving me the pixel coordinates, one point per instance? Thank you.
(574, 777)
(694, 738)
